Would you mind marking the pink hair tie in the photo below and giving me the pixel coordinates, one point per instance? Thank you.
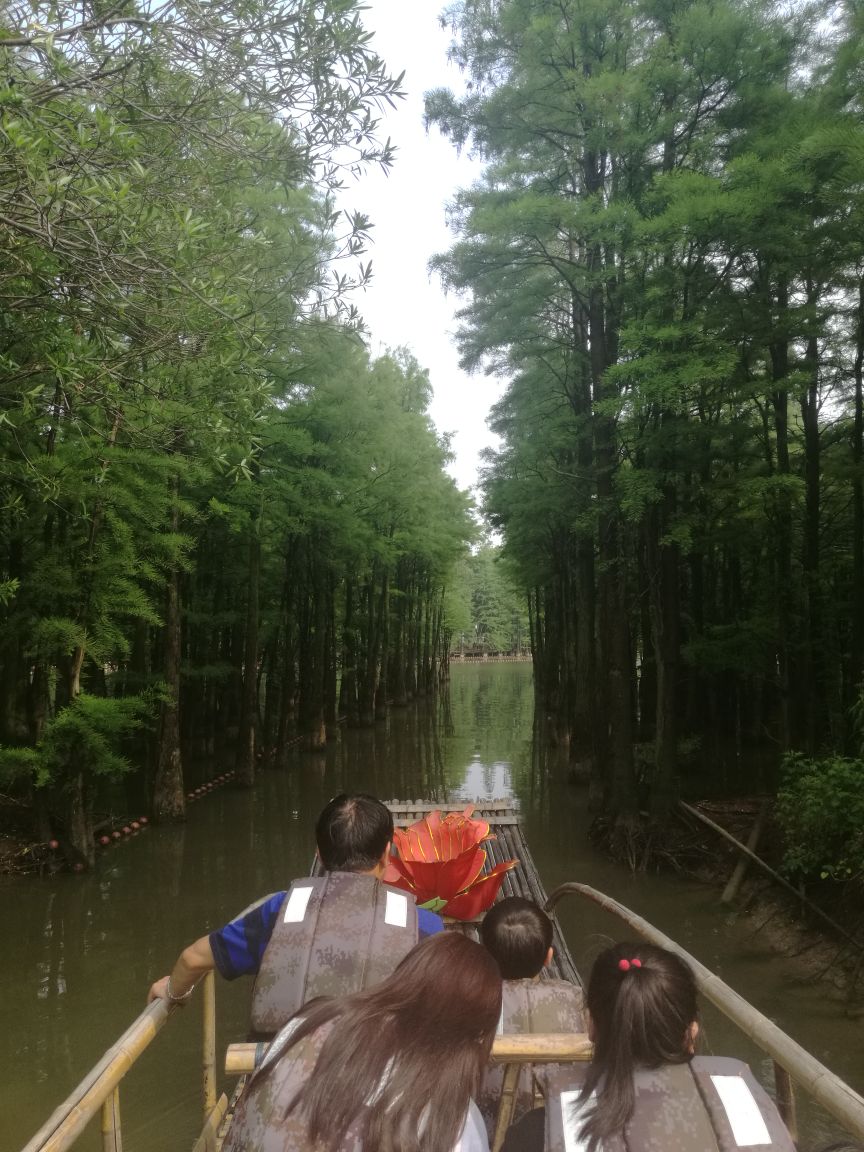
(636, 962)
(626, 965)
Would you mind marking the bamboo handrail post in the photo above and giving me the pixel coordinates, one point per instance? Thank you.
(112, 1137)
(820, 1082)
(70, 1118)
(208, 1141)
(784, 1091)
(507, 1104)
(208, 1048)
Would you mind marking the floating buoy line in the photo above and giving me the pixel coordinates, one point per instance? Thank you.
(113, 832)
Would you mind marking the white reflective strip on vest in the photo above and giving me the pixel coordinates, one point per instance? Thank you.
(396, 910)
(295, 909)
(745, 1119)
(571, 1119)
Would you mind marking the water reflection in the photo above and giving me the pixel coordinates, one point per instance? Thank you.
(81, 952)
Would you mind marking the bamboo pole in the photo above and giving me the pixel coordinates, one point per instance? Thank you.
(815, 909)
(69, 1120)
(820, 1082)
(208, 1141)
(740, 871)
(208, 1047)
(785, 1097)
(112, 1138)
(506, 1104)
(537, 1048)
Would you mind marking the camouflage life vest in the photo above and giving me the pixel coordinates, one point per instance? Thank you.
(530, 1006)
(260, 1123)
(334, 935)
(711, 1104)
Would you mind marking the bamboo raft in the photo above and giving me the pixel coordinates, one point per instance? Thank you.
(98, 1093)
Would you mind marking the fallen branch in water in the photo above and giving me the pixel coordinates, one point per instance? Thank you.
(774, 875)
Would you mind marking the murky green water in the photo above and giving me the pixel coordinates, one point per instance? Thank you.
(78, 954)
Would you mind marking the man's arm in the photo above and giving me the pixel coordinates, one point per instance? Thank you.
(192, 963)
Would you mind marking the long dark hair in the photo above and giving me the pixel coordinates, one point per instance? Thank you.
(403, 1059)
(641, 1016)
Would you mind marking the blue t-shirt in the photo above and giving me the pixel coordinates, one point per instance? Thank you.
(239, 946)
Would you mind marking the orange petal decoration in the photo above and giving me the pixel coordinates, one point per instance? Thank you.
(442, 859)
(480, 896)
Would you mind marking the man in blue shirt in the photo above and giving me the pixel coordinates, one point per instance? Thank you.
(353, 835)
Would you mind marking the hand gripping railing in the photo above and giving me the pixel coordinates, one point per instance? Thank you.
(791, 1061)
(99, 1090)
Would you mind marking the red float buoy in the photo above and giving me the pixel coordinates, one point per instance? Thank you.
(126, 829)
(53, 845)
(135, 825)
(115, 834)
(104, 840)
(142, 820)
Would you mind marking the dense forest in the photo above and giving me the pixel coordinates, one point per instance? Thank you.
(225, 526)
(484, 608)
(222, 524)
(665, 258)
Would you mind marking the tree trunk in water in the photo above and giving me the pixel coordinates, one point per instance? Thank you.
(313, 640)
(780, 399)
(78, 846)
(368, 679)
(382, 694)
(665, 622)
(169, 801)
(647, 695)
(856, 662)
(348, 684)
(244, 764)
(614, 631)
(331, 716)
(814, 684)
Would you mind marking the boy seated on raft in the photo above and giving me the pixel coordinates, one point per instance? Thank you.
(518, 934)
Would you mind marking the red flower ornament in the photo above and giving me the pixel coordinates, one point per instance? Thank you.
(440, 861)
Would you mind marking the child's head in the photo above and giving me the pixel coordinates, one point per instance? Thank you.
(642, 1009)
(644, 998)
(519, 936)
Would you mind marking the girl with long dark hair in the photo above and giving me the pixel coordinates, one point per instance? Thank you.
(644, 1090)
(391, 1069)
(646, 1021)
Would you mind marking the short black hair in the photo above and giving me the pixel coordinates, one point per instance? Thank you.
(519, 935)
(352, 833)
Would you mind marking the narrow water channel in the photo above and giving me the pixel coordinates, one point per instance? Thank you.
(78, 954)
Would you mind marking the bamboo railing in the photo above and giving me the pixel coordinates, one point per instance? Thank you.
(548, 1048)
(791, 1061)
(99, 1091)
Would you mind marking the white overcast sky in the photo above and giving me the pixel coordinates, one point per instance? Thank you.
(405, 305)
